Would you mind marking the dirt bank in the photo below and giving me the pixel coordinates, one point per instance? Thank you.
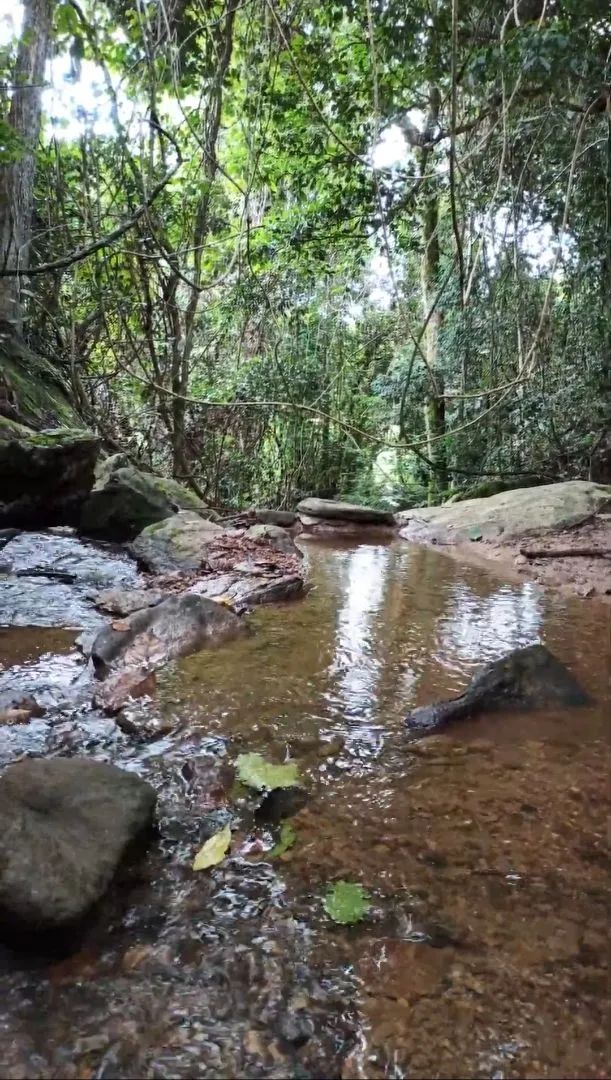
(585, 576)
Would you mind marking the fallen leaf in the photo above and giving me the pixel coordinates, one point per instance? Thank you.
(287, 838)
(254, 771)
(346, 903)
(214, 850)
(120, 624)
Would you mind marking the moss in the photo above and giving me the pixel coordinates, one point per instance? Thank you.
(42, 395)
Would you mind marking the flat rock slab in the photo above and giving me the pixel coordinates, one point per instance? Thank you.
(329, 510)
(65, 825)
(249, 590)
(151, 637)
(530, 678)
(509, 514)
(180, 542)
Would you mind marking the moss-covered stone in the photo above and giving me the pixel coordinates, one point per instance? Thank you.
(125, 500)
(44, 475)
(41, 395)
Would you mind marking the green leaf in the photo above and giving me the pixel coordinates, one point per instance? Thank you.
(346, 903)
(254, 771)
(286, 840)
(214, 850)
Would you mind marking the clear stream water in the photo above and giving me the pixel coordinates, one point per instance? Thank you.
(483, 849)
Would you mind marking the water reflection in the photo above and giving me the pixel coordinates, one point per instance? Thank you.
(477, 628)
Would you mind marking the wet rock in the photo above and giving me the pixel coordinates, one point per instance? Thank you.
(327, 509)
(6, 535)
(65, 825)
(121, 687)
(249, 590)
(275, 537)
(126, 601)
(45, 475)
(530, 678)
(180, 542)
(177, 627)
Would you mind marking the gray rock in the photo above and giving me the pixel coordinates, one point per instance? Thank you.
(178, 543)
(249, 590)
(274, 536)
(126, 500)
(329, 510)
(126, 601)
(530, 678)
(44, 475)
(177, 627)
(65, 825)
(509, 514)
(286, 518)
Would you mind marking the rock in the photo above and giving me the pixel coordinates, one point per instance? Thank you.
(530, 678)
(41, 396)
(126, 500)
(44, 476)
(245, 591)
(126, 601)
(65, 825)
(121, 686)
(286, 518)
(509, 514)
(341, 511)
(177, 627)
(178, 543)
(276, 537)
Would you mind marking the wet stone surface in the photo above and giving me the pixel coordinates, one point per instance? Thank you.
(483, 850)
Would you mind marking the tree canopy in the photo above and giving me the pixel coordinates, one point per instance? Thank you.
(357, 248)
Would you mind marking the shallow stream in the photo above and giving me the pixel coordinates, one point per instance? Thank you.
(483, 849)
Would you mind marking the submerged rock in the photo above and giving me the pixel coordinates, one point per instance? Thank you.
(126, 500)
(178, 543)
(328, 510)
(65, 825)
(530, 678)
(177, 627)
(44, 475)
(508, 514)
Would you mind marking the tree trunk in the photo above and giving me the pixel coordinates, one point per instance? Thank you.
(434, 407)
(17, 177)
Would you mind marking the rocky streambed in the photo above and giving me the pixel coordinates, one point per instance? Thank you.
(481, 850)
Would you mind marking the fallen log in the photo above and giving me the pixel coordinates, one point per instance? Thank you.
(566, 553)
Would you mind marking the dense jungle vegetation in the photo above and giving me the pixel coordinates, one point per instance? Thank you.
(285, 247)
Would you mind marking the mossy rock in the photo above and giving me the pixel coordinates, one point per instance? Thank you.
(42, 397)
(125, 500)
(44, 475)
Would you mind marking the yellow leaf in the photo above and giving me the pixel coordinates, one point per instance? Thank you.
(214, 850)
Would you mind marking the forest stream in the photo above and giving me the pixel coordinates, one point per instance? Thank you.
(482, 848)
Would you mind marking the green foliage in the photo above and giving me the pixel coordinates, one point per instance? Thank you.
(346, 903)
(254, 771)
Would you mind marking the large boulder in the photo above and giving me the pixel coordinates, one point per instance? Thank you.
(507, 515)
(328, 510)
(125, 500)
(148, 639)
(180, 542)
(286, 518)
(65, 825)
(530, 678)
(44, 475)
